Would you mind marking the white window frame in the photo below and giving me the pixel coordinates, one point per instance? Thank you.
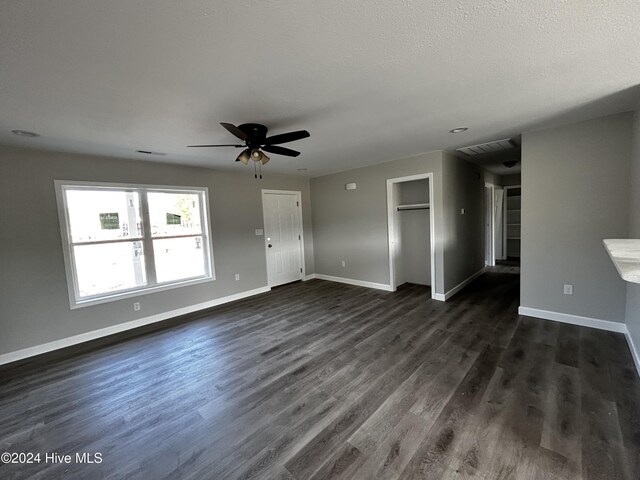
(75, 300)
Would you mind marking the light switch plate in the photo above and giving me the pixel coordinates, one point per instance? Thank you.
(568, 289)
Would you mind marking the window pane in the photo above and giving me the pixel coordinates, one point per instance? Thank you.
(174, 214)
(96, 215)
(109, 267)
(179, 258)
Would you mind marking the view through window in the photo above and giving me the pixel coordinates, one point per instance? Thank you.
(124, 239)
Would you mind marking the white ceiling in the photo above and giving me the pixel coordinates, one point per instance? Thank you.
(371, 80)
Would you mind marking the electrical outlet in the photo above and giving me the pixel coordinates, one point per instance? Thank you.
(136, 306)
(237, 277)
(344, 264)
(259, 232)
(568, 289)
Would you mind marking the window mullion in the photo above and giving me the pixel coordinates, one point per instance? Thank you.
(206, 231)
(147, 242)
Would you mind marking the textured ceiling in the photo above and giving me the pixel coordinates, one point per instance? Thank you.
(371, 80)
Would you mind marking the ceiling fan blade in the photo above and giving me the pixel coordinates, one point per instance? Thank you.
(280, 150)
(226, 145)
(234, 130)
(287, 137)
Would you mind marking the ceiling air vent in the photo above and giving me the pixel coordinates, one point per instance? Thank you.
(489, 147)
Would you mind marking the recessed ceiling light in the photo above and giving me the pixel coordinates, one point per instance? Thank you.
(459, 130)
(149, 152)
(24, 133)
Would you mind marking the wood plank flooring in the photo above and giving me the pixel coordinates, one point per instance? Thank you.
(321, 380)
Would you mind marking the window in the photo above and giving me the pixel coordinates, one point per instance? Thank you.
(123, 240)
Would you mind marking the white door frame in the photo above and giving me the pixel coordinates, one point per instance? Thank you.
(392, 227)
(491, 209)
(298, 195)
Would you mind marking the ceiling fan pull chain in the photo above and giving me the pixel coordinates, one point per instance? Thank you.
(260, 167)
(255, 174)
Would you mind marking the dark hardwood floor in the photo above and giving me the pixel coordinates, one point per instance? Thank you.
(321, 380)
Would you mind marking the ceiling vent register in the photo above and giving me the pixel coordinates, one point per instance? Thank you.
(489, 147)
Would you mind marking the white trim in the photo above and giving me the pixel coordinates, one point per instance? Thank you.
(607, 325)
(439, 296)
(490, 227)
(121, 327)
(391, 229)
(462, 284)
(351, 281)
(574, 319)
(298, 195)
(634, 351)
(309, 277)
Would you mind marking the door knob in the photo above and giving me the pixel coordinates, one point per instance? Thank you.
(270, 245)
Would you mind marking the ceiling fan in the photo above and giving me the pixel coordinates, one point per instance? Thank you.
(256, 142)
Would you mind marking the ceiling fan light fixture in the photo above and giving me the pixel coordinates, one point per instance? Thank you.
(244, 157)
(510, 163)
(256, 155)
(265, 159)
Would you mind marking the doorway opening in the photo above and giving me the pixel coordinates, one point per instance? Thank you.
(494, 224)
(411, 231)
(283, 236)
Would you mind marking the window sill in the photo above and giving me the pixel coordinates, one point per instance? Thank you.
(139, 292)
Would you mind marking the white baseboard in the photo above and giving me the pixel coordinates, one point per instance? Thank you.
(439, 296)
(350, 281)
(311, 276)
(574, 319)
(634, 351)
(586, 322)
(121, 327)
(460, 286)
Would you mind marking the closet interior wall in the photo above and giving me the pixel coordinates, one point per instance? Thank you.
(414, 249)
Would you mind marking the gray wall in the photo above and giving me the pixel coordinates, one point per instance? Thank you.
(633, 289)
(34, 306)
(509, 180)
(352, 225)
(464, 235)
(575, 192)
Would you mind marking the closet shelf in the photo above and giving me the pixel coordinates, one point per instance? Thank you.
(413, 206)
(625, 254)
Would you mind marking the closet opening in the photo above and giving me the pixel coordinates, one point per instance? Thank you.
(411, 231)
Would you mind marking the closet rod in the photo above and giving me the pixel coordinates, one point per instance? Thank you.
(400, 209)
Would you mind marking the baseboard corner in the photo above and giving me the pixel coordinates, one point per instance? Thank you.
(462, 284)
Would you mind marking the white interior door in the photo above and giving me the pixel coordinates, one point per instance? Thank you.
(283, 236)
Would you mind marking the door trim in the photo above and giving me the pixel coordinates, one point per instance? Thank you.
(298, 195)
(491, 227)
(391, 228)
